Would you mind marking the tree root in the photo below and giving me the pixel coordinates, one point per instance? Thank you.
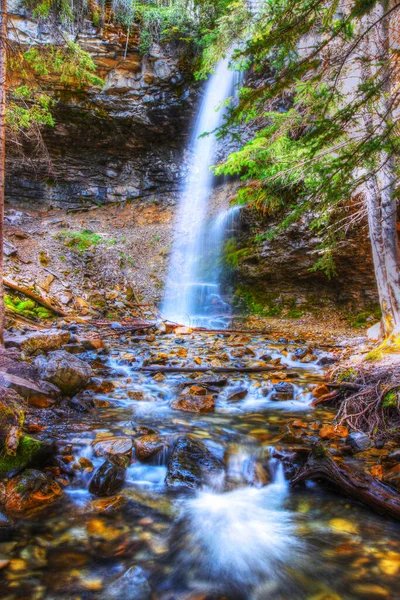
(359, 486)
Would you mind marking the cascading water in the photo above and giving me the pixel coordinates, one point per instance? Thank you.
(192, 293)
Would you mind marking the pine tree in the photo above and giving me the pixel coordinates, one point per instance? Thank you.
(333, 150)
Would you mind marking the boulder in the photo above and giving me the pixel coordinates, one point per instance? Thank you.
(329, 432)
(132, 584)
(238, 394)
(43, 341)
(29, 451)
(283, 391)
(196, 404)
(148, 446)
(12, 416)
(40, 394)
(113, 446)
(190, 463)
(110, 477)
(69, 373)
(358, 441)
(30, 492)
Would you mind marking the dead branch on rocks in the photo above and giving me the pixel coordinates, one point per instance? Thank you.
(359, 486)
(42, 301)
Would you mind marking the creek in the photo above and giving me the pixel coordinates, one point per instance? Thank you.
(239, 534)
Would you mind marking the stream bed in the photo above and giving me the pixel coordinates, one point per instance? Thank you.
(242, 533)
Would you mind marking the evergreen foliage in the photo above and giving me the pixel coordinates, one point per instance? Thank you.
(313, 153)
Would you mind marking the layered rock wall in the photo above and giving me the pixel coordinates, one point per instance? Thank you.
(122, 141)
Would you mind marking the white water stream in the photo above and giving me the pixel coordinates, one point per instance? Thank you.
(192, 294)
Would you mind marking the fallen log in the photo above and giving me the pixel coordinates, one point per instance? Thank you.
(42, 301)
(207, 369)
(356, 485)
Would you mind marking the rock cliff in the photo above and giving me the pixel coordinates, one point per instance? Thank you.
(116, 143)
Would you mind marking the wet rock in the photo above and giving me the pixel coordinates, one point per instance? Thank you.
(135, 395)
(359, 441)
(299, 424)
(12, 415)
(30, 492)
(133, 584)
(44, 341)
(283, 391)
(110, 505)
(300, 353)
(238, 394)
(69, 373)
(370, 591)
(110, 477)
(40, 394)
(392, 477)
(29, 451)
(113, 446)
(320, 390)
(328, 432)
(183, 331)
(190, 464)
(197, 390)
(102, 386)
(148, 446)
(196, 404)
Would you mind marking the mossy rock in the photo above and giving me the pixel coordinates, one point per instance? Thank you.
(12, 416)
(27, 308)
(29, 451)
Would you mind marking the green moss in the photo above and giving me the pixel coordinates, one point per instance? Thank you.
(28, 449)
(295, 313)
(373, 355)
(361, 319)
(232, 255)
(347, 375)
(391, 399)
(256, 303)
(26, 308)
(44, 258)
(81, 240)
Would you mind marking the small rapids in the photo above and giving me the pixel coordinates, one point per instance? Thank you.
(237, 540)
(235, 530)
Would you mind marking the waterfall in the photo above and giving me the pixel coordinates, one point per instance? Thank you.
(192, 293)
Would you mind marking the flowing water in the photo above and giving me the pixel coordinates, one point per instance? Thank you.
(192, 292)
(243, 534)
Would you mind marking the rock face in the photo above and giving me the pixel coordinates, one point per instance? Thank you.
(190, 463)
(64, 370)
(30, 492)
(115, 143)
(277, 270)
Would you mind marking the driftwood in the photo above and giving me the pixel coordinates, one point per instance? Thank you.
(13, 286)
(359, 486)
(206, 369)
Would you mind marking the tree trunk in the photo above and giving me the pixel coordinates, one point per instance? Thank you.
(380, 197)
(3, 59)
